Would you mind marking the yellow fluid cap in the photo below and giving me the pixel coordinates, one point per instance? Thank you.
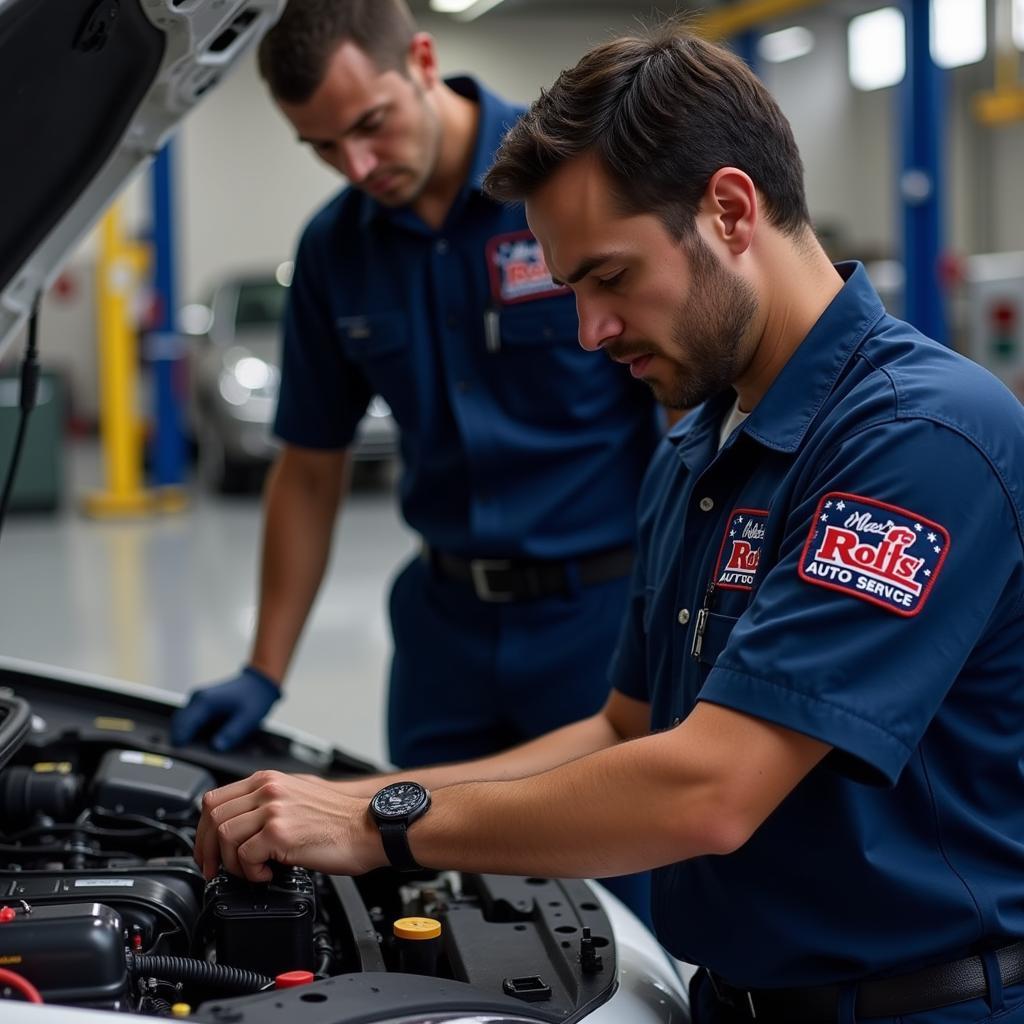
(180, 1010)
(417, 928)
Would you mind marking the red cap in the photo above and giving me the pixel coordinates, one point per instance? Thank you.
(292, 979)
(7, 914)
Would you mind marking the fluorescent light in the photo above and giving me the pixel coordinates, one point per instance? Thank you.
(1018, 24)
(464, 10)
(790, 43)
(877, 49)
(957, 32)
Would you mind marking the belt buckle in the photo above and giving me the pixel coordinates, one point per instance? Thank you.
(478, 570)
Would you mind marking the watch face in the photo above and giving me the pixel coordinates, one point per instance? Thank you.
(399, 800)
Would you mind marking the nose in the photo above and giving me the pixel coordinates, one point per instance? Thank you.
(598, 325)
(358, 161)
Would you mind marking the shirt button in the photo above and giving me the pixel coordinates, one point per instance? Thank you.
(442, 246)
(683, 616)
(706, 504)
(675, 722)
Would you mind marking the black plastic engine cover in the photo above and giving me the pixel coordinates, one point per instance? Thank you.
(158, 901)
(137, 782)
(72, 953)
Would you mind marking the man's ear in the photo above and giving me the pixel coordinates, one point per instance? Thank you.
(422, 60)
(730, 203)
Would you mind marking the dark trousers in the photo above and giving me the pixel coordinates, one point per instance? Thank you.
(470, 678)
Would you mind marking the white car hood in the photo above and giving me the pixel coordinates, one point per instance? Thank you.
(90, 90)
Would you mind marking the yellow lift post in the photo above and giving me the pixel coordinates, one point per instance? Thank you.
(120, 266)
(1004, 103)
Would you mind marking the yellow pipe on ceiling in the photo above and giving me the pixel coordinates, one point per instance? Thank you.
(746, 14)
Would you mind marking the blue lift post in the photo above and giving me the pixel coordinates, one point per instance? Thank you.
(744, 45)
(921, 185)
(164, 344)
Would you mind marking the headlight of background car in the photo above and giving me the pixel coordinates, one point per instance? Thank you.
(248, 377)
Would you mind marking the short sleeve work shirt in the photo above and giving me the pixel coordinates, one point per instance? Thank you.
(857, 543)
(514, 440)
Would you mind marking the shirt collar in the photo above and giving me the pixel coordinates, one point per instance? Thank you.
(496, 117)
(783, 416)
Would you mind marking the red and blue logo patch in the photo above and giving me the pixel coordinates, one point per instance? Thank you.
(874, 551)
(518, 270)
(740, 553)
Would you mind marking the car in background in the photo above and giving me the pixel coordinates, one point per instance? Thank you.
(235, 379)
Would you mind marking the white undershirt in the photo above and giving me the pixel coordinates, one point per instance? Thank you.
(731, 422)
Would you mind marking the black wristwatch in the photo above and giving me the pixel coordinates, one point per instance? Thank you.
(395, 808)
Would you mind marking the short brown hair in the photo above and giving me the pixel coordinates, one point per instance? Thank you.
(663, 111)
(293, 55)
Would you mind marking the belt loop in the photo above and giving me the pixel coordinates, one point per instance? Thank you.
(993, 979)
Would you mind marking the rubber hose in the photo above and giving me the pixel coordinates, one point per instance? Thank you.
(198, 972)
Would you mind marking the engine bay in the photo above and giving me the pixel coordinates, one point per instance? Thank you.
(102, 905)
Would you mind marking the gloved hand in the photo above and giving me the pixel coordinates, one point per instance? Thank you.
(241, 703)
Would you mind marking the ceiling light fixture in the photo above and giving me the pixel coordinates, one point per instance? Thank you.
(787, 44)
(463, 10)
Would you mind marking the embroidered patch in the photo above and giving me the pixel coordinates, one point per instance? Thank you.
(741, 549)
(517, 268)
(878, 552)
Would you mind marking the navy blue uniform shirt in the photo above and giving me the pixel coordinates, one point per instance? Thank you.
(515, 442)
(861, 538)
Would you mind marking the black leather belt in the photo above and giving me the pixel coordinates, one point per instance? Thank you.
(501, 580)
(926, 989)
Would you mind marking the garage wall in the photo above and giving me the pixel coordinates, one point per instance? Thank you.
(245, 186)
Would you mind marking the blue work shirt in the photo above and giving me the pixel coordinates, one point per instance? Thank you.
(514, 441)
(863, 532)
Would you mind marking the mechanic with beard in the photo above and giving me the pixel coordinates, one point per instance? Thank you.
(814, 731)
(522, 456)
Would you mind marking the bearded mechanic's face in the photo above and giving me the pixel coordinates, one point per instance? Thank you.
(379, 129)
(667, 309)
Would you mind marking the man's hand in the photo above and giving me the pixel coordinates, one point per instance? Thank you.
(238, 705)
(300, 821)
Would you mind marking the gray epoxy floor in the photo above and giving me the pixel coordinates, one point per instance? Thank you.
(170, 601)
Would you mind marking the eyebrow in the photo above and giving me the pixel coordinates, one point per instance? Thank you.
(363, 118)
(590, 264)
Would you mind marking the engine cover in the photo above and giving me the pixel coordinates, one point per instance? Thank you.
(72, 953)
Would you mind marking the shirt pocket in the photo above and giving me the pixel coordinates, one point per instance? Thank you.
(539, 371)
(716, 635)
(378, 343)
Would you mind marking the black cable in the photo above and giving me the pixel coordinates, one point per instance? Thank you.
(197, 972)
(27, 402)
(158, 826)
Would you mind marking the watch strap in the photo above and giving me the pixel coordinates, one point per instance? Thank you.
(395, 836)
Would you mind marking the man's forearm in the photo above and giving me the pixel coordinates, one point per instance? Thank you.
(301, 507)
(701, 788)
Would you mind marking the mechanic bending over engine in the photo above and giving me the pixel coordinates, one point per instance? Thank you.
(815, 728)
(522, 456)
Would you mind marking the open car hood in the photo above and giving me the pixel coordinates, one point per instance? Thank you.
(90, 90)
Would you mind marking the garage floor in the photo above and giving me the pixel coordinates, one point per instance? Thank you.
(170, 602)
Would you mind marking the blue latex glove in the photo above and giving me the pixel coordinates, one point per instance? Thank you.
(241, 703)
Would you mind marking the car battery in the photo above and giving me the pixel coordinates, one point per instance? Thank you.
(264, 927)
(73, 953)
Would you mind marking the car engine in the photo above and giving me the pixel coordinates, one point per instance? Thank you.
(102, 905)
